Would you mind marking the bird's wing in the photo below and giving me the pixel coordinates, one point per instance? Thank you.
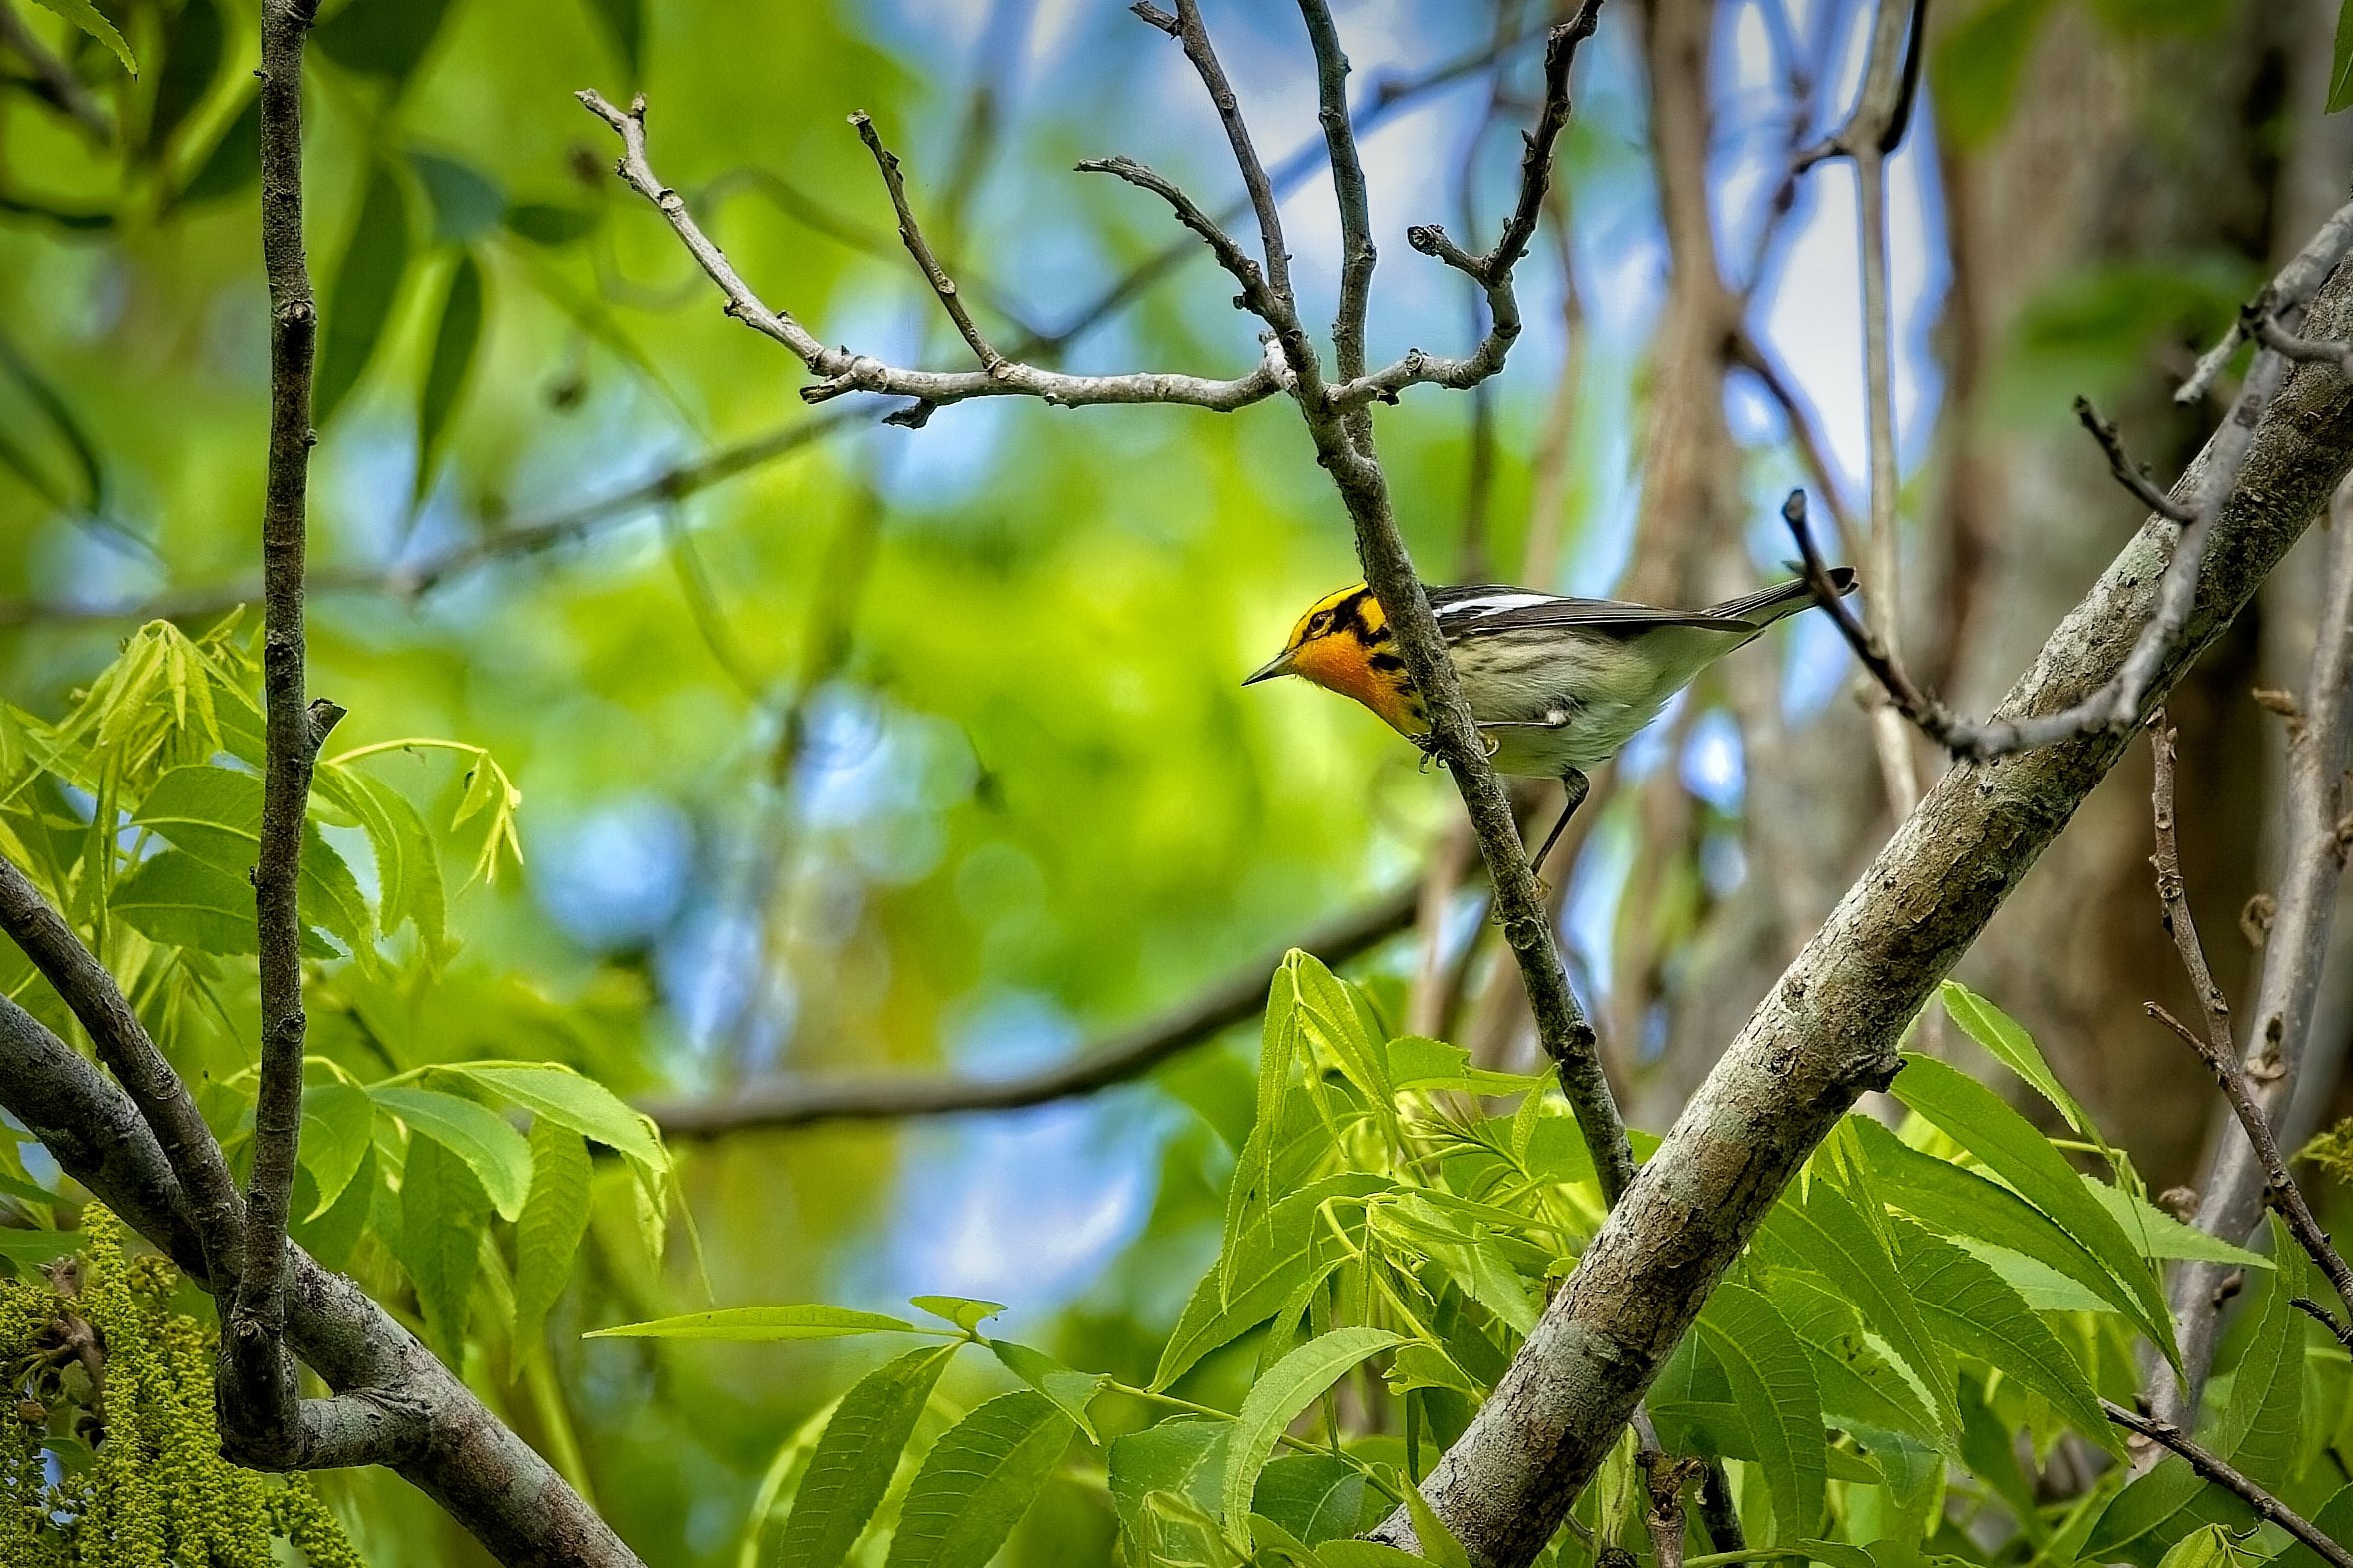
(1485, 609)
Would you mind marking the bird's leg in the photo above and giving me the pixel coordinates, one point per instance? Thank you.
(1578, 787)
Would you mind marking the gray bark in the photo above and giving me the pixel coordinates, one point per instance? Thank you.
(1829, 1030)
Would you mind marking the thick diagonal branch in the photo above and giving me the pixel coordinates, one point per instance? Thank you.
(1830, 1028)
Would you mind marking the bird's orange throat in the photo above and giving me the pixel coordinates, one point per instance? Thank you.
(1345, 665)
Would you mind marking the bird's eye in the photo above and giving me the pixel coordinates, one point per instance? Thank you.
(1320, 625)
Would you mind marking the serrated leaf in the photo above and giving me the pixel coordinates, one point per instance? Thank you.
(569, 1099)
(444, 1212)
(2014, 1048)
(494, 1150)
(455, 341)
(2257, 1431)
(1070, 1390)
(1859, 1387)
(1977, 1119)
(338, 1130)
(977, 1482)
(1287, 1388)
(764, 1324)
(1962, 1203)
(1772, 1385)
(851, 1466)
(1253, 1188)
(86, 16)
(1972, 1308)
(2160, 1236)
(1317, 1497)
(367, 283)
(215, 814)
(179, 900)
(1183, 1456)
(409, 889)
(548, 1235)
(966, 1313)
(1830, 1234)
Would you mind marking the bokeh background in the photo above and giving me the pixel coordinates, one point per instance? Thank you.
(848, 747)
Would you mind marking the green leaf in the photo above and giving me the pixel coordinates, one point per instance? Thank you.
(1831, 1235)
(2257, 1431)
(854, 1461)
(1416, 1062)
(965, 1311)
(1276, 1253)
(1183, 1456)
(1317, 1497)
(179, 900)
(624, 22)
(2340, 71)
(33, 1248)
(2210, 1547)
(2159, 1235)
(977, 1482)
(1070, 1390)
(1287, 1388)
(386, 39)
(2014, 1048)
(1962, 1203)
(1254, 1189)
(1859, 1388)
(444, 1214)
(1772, 1385)
(85, 16)
(553, 1222)
(496, 1153)
(2334, 1520)
(569, 1099)
(330, 1235)
(1364, 1554)
(1972, 1308)
(215, 813)
(454, 344)
(367, 280)
(467, 203)
(1437, 1543)
(338, 1130)
(763, 1324)
(409, 889)
(1976, 1118)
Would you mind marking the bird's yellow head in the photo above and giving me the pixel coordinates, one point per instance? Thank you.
(1344, 645)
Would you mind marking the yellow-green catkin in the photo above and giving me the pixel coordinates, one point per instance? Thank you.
(158, 1493)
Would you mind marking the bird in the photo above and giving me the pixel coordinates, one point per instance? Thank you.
(1555, 685)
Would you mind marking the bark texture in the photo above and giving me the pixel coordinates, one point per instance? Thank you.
(1829, 1029)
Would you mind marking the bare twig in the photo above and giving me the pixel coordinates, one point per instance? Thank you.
(2280, 1023)
(2132, 475)
(2219, 1470)
(842, 372)
(2296, 283)
(1357, 254)
(1116, 1059)
(2280, 1187)
(260, 1394)
(910, 233)
(2172, 896)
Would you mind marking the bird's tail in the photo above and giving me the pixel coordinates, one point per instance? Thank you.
(1770, 604)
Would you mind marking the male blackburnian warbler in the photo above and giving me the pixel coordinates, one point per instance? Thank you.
(1557, 686)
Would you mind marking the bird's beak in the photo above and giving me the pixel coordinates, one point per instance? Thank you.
(1279, 665)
